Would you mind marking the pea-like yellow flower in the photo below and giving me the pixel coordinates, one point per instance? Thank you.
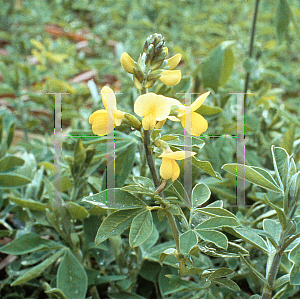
(153, 108)
(169, 168)
(104, 121)
(169, 76)
(198, 122)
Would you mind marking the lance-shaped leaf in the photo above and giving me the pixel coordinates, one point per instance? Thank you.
(8, 162)
(28, 203)
(260, 178)
(215, 211)
(206, 167)
(29, 243)
(122, 200)
(233, 250)
(281, 164)
(248, 236)
(115, 223)
(294, 257)
(11, 180)
(39, 269)
(230, 284)
(71, 277)
(141, 228)
(254, 271)
(218, 222)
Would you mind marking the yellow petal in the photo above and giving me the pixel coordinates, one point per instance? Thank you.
(170, 78)
(98, 119)
(160, 124)
(166, 169)
(145, 104)
(137, 83)
(118, 117)
(108, 98)
(199, 101)
(179, 155)
(176, 170)
(162, 108)
(198, 124)
(127, 63)
(148, 122)
(173, 118)
(173, 61)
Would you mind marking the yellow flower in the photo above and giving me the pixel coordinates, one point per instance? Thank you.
(169, 77)
(169, 168)
(127, 63)
(104, 121)
(198, 122)
(153, 108)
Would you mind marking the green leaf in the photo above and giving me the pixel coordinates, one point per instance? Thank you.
(39, 269)
(122, 200)
(252, 176)
(294, 257)
(208, 110)
(125, 295)
(248, 236)
(10, 180)
(165, 254)
(254, 271)
(213, 236)
(9, 162)
(282, 19)
(279, 211)
(214, 211)
(79, 154)
(281, 281)
(220, 273)
(55, 294)
(200, 194)
(216, 68)
(288, 139)
(206, 167)
(115, 223)
(29, 243)
(76, 211)
(273, 228)
(71, 277)
(125, 161)
(141, 228)
(187, 241)
(28, 203)
(230, 284)
(233, 250)
(281, 164)
(144, 182)
(10, 134)
(218, 222)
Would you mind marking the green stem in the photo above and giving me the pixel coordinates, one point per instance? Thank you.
(174, 228)
(247, 80)
(149, 157)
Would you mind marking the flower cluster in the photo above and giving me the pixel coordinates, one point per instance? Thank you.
(153, 108)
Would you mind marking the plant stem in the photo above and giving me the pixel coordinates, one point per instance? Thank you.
(283, 244)
(174, 228)
(149, 157)
(247, 80)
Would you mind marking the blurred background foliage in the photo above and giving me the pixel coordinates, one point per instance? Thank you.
(60, 45)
